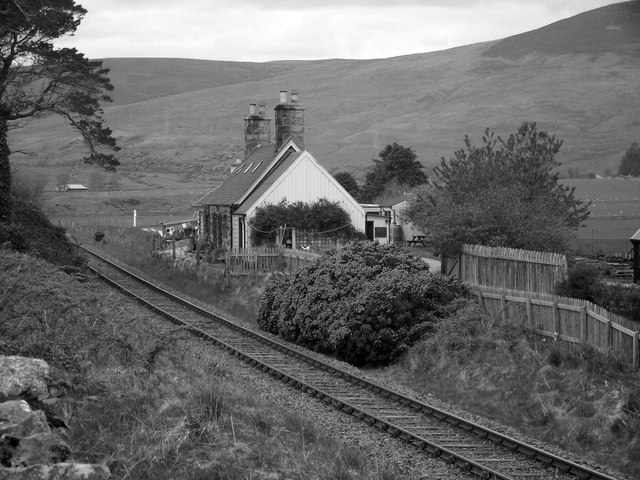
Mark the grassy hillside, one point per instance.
(184, 119)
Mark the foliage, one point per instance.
(365, 303)
(320, 216)
(583, 282)
(502, 193)
(567, 394)
(37, 79)
(349, 183)
(33, 233)
(144, 400)
(630, 162)
(28, 188)
(624, 301)
(586, 282)
(398, 165)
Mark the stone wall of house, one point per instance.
(30, 448)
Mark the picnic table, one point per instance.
(418, 240)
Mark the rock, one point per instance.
(18, 420)
(41, 448)
(59, 471)
(23, 377)
(29, 449)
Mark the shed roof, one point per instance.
(635, 237)
(288, 159)
(242, 178)
(179, 221)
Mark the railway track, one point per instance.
(475, 449)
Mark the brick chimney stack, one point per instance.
(289, 120)
(257, 128)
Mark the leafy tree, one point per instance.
(38, 79)
(349, 183)
(502, 193)
(398, 165)
(630, 163)
(320, 216)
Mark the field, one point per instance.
(615, 214)
(615, 208)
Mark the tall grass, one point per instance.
(133, 246)
(570, 395)
(148, 400)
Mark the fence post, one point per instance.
(636, 339)
(583, 325)
(556, 321)
(481, 298)
(529, 310)
(173, 248)
(503, 306)
(609, 335)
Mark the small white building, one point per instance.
(73, 187)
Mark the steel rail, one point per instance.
(546, 459)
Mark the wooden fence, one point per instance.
(246, 260)
(568, 319)
(507, 268)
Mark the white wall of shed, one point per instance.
(306, 181)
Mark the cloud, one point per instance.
(256, 30)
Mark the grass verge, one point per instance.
(144, 398)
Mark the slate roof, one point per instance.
(284, 163)
(241, 179)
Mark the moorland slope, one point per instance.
(578, 78)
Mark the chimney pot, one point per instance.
(294, 96)
(283, 96)
(252, 109)
(262, 109)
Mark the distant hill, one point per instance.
(578, 78)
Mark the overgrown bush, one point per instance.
(365, 303)
(624, 301)
(583, 282)
(586, 282)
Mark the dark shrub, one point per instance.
(33, 232)
(583, 281)
(365, 303)
(624, 301)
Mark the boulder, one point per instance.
(59, 471)
(40, 448)
(18, 420)
(29, 449)
(23, 377)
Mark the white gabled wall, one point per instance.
(307, 181)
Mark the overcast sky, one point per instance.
(264, 30)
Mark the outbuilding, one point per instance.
(74, 187)
(635, 241)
